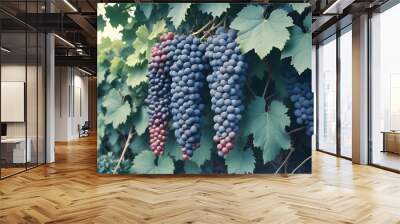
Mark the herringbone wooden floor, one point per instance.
(70, 191)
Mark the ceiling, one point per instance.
(332, 15)
(74, 22)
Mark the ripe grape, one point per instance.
(187, 72)
(302, 98)
(106, 163)
(159, 96)
(226, 84)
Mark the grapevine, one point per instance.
(173, 78)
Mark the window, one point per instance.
(22, 76)
(327, 96)
(385, 89)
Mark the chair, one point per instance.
(84, 130)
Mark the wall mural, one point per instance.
(205, 88)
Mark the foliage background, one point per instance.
(276, 42)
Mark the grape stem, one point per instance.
(250, 90)
(296, 130)
(285, 161)
(202, 28)
(273, 165)
(269, 97)
(266, 86)
(301, 164)
(213, 27)
(128, 140)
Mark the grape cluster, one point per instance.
(106, 164)
(187, 72)
(302, 97)
(159, 96)
(225, 83)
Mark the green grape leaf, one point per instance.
(202, 154)
(101, 23)
(191, 168)
(134, 59)
(307, 22)
(116, 66)
(139, 143)
(113, 136)
(137, 75)
(101, 74)
(299, 49)
(299, 7)
(143, 43)
(146, 9)
(172, 147)
(105, 42)
(158, 29)
(177, 12)
(101, 127)
(116, 46)
(101, 56)
(268, 128)
(117, 109)
(241, 140)
(144, 163)
(141, 120)
(253, 27)
(117, 14)
(215, 9)
(240, 161)
(253, 117)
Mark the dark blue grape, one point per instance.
(226, 86)
(187, 73)
(302, 97)
(159, 97)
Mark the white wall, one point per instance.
(33, 127)
(71, 102)
(62, 81)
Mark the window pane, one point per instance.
(385, 84)
(15, 150)
(327, 96)
(346, 94)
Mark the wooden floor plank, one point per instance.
(70, 191)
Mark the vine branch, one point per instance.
(213, 27)
(301, 164)
(285, 161)
(269, 97)
(296, 130)
(266, 86)
(128, 140)
(250, 90)
(202, 28)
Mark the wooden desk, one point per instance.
(391, 142)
